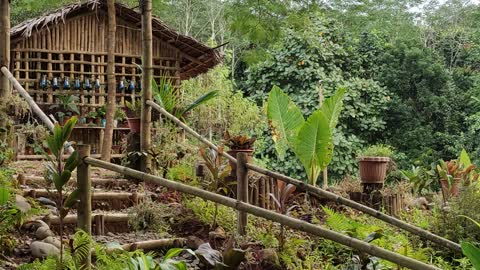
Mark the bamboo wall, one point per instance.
(76, 49)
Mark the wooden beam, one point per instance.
(4, 47)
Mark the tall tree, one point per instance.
(112, 28)
(147, 77)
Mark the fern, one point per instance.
(82, 243)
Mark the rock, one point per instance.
(419, 203)
(40, 223)
(43, 232)
(52, 241)
(194, 242)
(110, 234)
(41, 250)
(219, 233)
(269, 256)
(53, 209)
(22, 204)
(46, 201)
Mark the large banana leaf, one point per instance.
(473, 254)
(285, 119)
(314, 145)
(332, 107)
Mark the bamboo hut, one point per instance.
(64, 53)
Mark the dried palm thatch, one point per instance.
(197, 57)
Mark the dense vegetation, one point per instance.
(411, 74)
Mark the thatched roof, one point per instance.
(198, 58)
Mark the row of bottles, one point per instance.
(87, 84)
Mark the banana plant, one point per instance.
(59, 172)
(311, 140)
(167, 97)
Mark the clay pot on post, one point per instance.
(451, 190)
(373, 170)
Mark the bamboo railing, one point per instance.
(242, 207)
(267, 214)
(318, 191)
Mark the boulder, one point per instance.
(22, 204)
(41, 250)
(193, 242)
(219, 233)
(52, 241)
(43, 232)
(46, 201)
(269, 257)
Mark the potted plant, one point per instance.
(373, 163)
(119, 116)
(452, 174)
(101, 112)
(134, 110)
(238, 144)
(67, 106)
(91, 116)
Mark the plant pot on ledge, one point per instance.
(134, 124)
(238, 144)
(373, 170)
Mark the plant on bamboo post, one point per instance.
(310, 140)
(167, 96)
(373, 163)
(285, 193)
(218, 170)
(59, 172)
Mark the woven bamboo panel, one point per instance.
(76, 50)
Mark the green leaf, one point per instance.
(72, 198)
(72, 162)
(172, 253)
(332, 107)
(67, 129)
(314, 145)
(66, 174)
(473, 254)
(201, 100)
(464, 159)
(285, 119)
(4, 195)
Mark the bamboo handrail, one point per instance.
(318, 191)
(270, 215)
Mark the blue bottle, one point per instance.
(131, 86)
(43, 82)
(66, 83)
(97, 84)
(55, 83)
(121, 85)
(76, 86)
(87, 85)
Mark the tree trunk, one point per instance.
(112, 28)
(147, 59)
(4, 47)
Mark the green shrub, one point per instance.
(377, 150)
(449, 223)
(150, 215)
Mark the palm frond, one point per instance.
(199, 101)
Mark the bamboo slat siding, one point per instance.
(76, 49)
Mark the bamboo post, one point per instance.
(147, 76)
(301, 185)
(84, 184)
(4, 46)
(270, 215)
(242, 191)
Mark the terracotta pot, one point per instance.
(134, 124)
(445, 188)
(234, 152)
(373, 169)
(455, 188)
